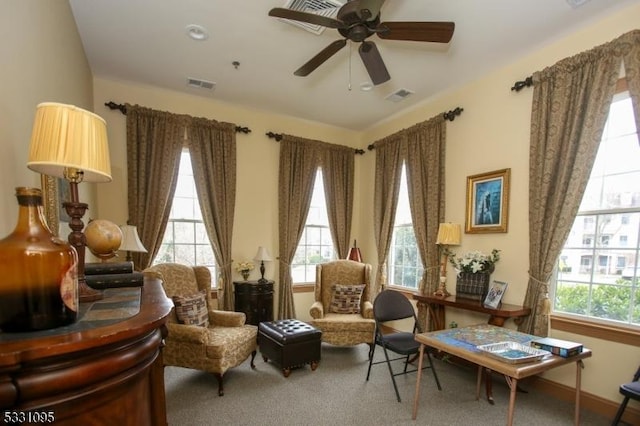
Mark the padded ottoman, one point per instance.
(290, 343)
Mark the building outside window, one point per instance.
(316, 244)
(597, 277)
(405, 264)
(185, 238)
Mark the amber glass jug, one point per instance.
(38, 272)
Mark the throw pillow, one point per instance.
(346, 299)
(192, 310)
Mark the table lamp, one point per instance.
(71, 143)
(354, 253)
(262, 256)
(131, 241)
(448, 235)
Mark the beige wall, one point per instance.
(493, 133)
(42, 60)
(256, 213)
(47, 63)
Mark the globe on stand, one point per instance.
(103, 238)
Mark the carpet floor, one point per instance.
(336, 393)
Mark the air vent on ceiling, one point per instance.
(328, 8)
(200, 84)
(399, 95)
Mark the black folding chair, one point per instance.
(391, 305)
(630, 390)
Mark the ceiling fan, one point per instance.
(357, 20)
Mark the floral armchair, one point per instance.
(344, 316)
(200, 337)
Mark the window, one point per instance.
(405, 264)
(316, 245)
(595, 277)
(185, 239)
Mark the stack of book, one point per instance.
(559, 347)
(112, 275)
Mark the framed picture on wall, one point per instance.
(488, 202)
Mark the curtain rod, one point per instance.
(449, 115)
(278, 138)
(123, 109)
(519, 85)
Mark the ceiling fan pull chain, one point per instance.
(349, 86)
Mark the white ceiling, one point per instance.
(145, 41)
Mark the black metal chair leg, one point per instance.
(393, 377)
(433, 370)
(371, 352)
(621, 409)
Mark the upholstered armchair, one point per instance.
(200, 337)
(344, 316)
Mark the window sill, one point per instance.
(304, 288)
(611, 333)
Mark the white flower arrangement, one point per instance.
(475, 261)
(245, 266)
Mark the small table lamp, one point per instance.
(448, 235)
(131, 241)
(262, 256)
(354, 253)
(71, 143)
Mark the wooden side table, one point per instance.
(436, 306)
(255, 299)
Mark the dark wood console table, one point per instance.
(436, 307)
(255, 299)
(104, 369)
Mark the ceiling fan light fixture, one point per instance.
(197, 32)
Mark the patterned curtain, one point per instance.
(154, 145)
(570, 106)
(299, 162)
(426, 143)
(338, 175)
(390, 152)
(213, 156)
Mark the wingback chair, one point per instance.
(349, 321)
(220, 340)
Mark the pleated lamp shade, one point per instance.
(68, 137)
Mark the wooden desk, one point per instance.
(436, 305)
(104, 369)
(462, 343)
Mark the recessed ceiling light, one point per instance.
(197, 32)
(366, 86)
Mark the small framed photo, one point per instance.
(494, 296)
(488, 202)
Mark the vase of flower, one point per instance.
(244, 268)
(474, 271)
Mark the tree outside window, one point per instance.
(595, 276)
(185, 238)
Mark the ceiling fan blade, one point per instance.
(319, 59)
(436, 32)
(310, 18)
(373, 62)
